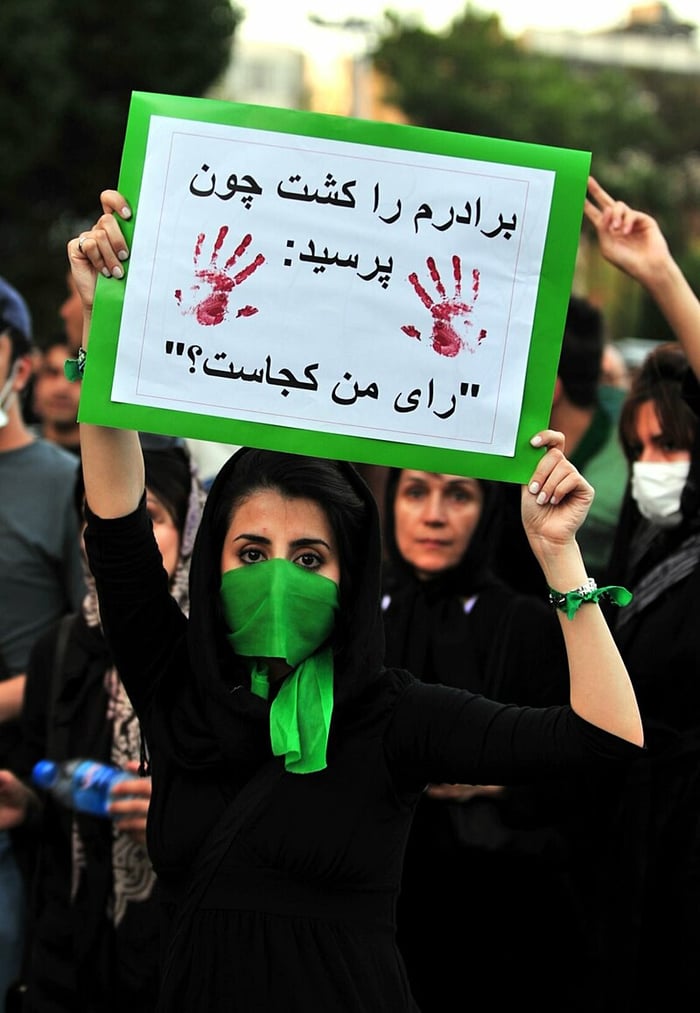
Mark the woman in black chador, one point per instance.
(481, 856)
(648, 850)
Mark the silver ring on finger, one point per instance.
(81, 240)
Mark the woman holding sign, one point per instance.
(287, 760)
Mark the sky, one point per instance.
(288, 23)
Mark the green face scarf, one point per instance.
(276, 609)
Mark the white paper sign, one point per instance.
(334, 286)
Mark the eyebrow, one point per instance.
(448, 484)
(297, 543)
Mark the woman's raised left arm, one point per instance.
(554, 505)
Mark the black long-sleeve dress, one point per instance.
(647, 848)
(300, 913)
(496, 866)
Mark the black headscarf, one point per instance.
(237, 718)
(425, 633)
(473, 571)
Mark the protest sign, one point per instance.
(375, 292)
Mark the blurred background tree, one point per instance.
(637, 123)
(68, 68)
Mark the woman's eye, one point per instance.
(462, 496)
(309, 560)
(160, 519)
(251, 555)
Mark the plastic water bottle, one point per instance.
(80, 784)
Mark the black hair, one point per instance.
(581, 352)
(665, 378)
(338, 489)
(295, 476)
(19, 343)
(660, 379)
(168, 476)
(57, 339)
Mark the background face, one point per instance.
(435, 517)
(55, 398)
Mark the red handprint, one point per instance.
(445, 339)
(210, 293)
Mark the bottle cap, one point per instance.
(44, 773)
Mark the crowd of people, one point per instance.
(42, 579)
(385, 738)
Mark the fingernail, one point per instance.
(106, 272)
(125, 212)
(534, 487)
(542, 498)
(123, 254)
(536, 440)
(117, 272)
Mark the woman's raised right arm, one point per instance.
(634, 242)
(112, 460)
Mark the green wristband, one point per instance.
(570, 601)
(73, 369)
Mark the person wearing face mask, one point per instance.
(660, 523)
(657, 488)
(287, 759)
(650, 865)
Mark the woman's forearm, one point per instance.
(633, 241)
(680, 306)
(113, 469)
(600, 687)
(112, 460)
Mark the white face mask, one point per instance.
(657, 488)
(6, 394)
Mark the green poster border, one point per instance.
(571, 168)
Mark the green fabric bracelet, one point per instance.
(73, 369)
(570, 601)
